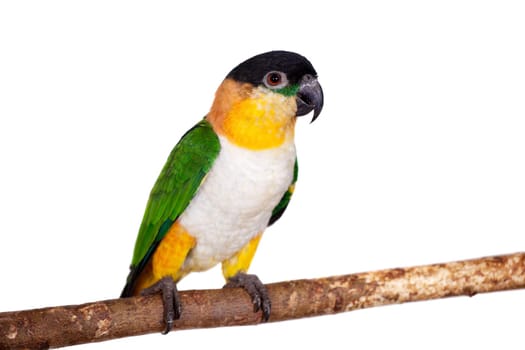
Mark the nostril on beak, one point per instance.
(307, 77)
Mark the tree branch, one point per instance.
(93, 322)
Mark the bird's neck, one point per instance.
(252, 118)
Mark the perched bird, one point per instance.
(230, 177)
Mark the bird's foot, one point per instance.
(170, 299)
(256, 289)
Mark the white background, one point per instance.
(418, 156)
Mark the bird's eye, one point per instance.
(275, 80)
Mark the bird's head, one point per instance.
(259, 100)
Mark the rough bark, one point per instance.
(99, 321)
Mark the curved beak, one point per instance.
(309, 97)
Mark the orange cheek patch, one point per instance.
(252, 117)
(255, 123)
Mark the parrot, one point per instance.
(228, 178)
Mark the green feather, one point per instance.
(178, 182)
(289, 90)
(285, 199)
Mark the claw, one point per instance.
(255, 289)
(170, 299)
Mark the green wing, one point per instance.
(283, 203)
(179, 180)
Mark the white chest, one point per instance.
(236, 200)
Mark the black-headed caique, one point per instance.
(230, 177)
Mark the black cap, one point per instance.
(254, 69)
